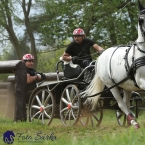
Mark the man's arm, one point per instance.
(31, 79)
(98, 48)
(66, 57)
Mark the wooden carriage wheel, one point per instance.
(70, 103)
(72, 112)
(42, 106)
(91, 118)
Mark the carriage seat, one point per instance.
(74, 70)
(70, 70)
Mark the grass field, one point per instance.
(109, 133)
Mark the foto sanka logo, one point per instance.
(8, 137)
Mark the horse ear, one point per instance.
(141, 7)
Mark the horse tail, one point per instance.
(94, 87)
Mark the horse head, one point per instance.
(141, 22)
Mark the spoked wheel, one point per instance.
(41, 107)
(121, 117)
(91, 118)
(70, 105)
(134, 106)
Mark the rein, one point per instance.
(116, 84)
(83, 49)
(87, 56)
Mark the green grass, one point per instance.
(108, 133)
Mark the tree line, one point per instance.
(50, 23)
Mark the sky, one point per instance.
(19, 30)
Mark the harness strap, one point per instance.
(83, 49)
(138, 63)
(140, 49)
(126, 59)
(130, 70)
(87, 57)
(110, 65)
(116, 84)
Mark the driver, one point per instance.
(79, 50)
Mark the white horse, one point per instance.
(117, 64)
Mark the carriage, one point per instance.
(62, 99)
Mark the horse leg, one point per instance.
(124, 106)
(126, 98)
(116, 93)
(130, 117)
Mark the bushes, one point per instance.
(47, 61)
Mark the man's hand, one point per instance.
(43, 76)
(101, 51)
(74, 59)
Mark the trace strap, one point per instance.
(125, 79)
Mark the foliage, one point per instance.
(4, 77)
(107, 22)
(47, 61)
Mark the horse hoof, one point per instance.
(129, 118)
(136, 126)
(131, 121)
